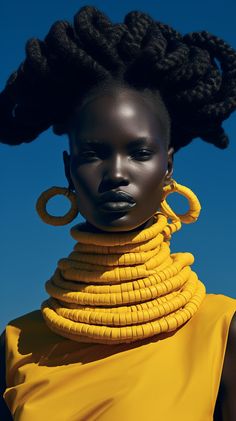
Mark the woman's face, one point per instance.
(116, 144)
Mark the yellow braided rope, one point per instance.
(122, 287)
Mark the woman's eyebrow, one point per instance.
(139, 141)
(92, 143)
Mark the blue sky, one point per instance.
(30, 249)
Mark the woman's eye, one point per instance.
(89, 154)
(143, 153)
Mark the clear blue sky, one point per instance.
(30, 249)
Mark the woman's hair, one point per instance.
(192, 76)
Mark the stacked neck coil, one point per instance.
(122, 287)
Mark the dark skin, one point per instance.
(117, 162)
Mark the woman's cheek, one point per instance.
(154, 172)
(85, 180)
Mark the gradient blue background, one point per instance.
(30, 249)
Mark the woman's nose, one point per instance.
(116, 169)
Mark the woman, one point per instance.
(128, 330)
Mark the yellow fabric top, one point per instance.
(170, 376)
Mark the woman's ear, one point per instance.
(66, 160)
(170, 166)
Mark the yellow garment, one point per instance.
(122, 287)
(173, 376)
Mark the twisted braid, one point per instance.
(194, 75)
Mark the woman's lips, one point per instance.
(117, 206)
(116, 196)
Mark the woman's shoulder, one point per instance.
(218, 305)
(26, 335)
(24, 322)
(28, 325)
(214, 316)
(26, 318)
(220, 311)
(220, 298)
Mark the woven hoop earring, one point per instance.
(194, 205)
(57, 220)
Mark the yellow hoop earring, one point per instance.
(194, 205)
(57, 220)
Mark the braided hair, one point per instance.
(193, 76)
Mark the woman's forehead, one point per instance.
(127, 111)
